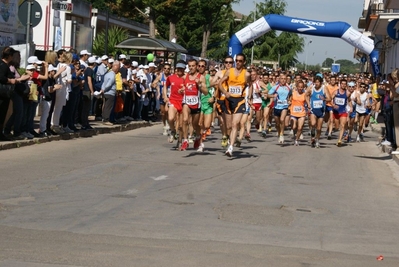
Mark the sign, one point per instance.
(35, 13)
(335, 68)
(363, 59)
(393, 29)
(61, 6)
(8, 16)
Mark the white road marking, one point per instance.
(159, 178)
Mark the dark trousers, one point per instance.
(86, 104)
(144, 112)
(50, 113)
(136, 108)
(68, 112)
(3, 111)
(128, 105)
(389, 126)
(108, 107)
(16, 117)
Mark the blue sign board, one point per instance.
(393, 29)
(335, 68)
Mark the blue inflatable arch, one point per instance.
(336, 29)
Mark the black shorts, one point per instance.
(277, 112)
(221, 107)
(236, 105)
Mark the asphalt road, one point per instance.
(129, 199)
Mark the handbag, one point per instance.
(6, 90)
(118, 104)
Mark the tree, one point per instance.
(115, 36)
(328, 62)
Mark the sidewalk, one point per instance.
(98, 128)
(380, 129)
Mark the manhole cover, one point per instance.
(256, 215)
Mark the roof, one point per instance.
(147, 43)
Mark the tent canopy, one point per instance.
(147, 43)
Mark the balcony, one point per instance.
(381, 24)
(375, 8)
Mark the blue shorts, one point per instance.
(352, 115)
(318, 112)
(329, 109)
(277, 112)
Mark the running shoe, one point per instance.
(361, 137)
(301, 137)
(317, 144)
(171, 137)
(326, 133)
(203, 136)
(329, 137)
(313, 142)
(201, 148)
(358, 139)
(165, 131)
(248, 137)
(229, 151)
(197, 143)
(264, 133)
(339, 143)
(208, 132)
(281, 139)
(184, 145)
(259, 128)
(190, 139)
(296, 143)
(238, 142)
(224, 141)
(349, 139)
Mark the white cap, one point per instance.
(91, 60)
(122, 56)
(152, 64)
(111, 60)
(143, 78)
(146, 66)
(51, 68)
(99, 61)
(84, 52)
(134, 71)
(34, 60)
(30, 67)
(105, 57)
(141, 66)
(135, 63)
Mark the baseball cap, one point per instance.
(152, 64)
(34, 60)
(51, 68)
(180, 65)
(111, 60)
(75, 57)
(99, 60)
(122, 56)
(134, 71)
(105, 57)
(141, 66)
(351, 84)
(146, 67)
(84, 52)
(91, 60)
(135, 63)
(30, 67)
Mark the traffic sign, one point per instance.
(363, 59)
(393, 29)
(336, 68)
(35, 13)
(61, 6)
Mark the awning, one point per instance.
(147, 43)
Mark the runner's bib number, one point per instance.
(339, 101)
(297, 109)
(318, 104)
(235, 90)
(191, 100)
(282, 102)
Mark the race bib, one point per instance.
(318, 104)
(235, 90)
(297, 109)
(282, 102)
(191, 100)
(339, 101)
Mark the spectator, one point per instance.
(88, 92)
(387, 106)
(109, 90)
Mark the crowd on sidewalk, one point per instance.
(69, 87)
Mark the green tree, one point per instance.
(328, 62)
(115, 36)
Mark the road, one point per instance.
(129, 199)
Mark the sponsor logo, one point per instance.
(309, 24)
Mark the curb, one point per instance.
(81, 134)
(377, 128)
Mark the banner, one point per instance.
(8, 15)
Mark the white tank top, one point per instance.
(362, 107)
(257, 97)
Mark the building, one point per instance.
(376, 15)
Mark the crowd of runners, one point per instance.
(243, 97)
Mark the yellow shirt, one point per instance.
(118, 81)
(237, 83)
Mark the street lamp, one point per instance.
(306, 59)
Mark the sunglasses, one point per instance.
(201, 66)
(239, 60)
(166, 68)
(228, 62)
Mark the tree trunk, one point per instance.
(205, 40)
(151, 24)
(172, 30)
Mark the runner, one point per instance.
(175, 101)
(280, 93)
(298, 112)
(237, 78)
(194, 85)
(362, 104)
(329, 118)
(340, 100)
(163, 92)
(317, 96)
(258, 87)
(224, 118)
(267, 106)
(352, 120)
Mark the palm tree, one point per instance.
(115, 36)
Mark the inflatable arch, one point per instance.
(336, 29)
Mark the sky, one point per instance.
(322, 10)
